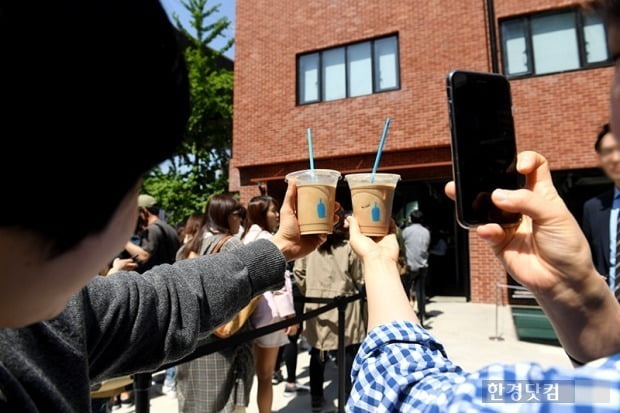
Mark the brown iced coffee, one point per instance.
(316, 199)
(316, 211)
(372, 201)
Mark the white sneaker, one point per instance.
(169, 390)
(291, 390)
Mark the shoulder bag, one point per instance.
(239, 320)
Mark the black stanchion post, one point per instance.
(342, 362)
(141, 387)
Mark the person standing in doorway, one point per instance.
(417, 239)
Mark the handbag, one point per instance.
(239, 320)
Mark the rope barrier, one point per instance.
(142, 381)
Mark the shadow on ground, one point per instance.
(302, 402)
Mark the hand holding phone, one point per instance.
(484, 152)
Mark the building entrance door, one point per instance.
(448, 272)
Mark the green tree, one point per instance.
(184, 183)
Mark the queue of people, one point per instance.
(63, 328)
(221, 381)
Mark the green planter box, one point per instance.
(533, 325)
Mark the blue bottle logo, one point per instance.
(320, 209)
(376, 213)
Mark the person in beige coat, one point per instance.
(331, 271)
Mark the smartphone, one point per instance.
(484, 150)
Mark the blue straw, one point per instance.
(380, 150)
(310, 151)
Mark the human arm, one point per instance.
(140, 253)
(137, 322)
(387, 301)
(548, 254)
(122, 264)
(355, 269)
(399, 366)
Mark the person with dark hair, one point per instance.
(191, 228)
(223, 215)
(107, 102)
(417, 239)
(602, 133)
(274, 306)
(222, 380)
(600, 214)
(331, 271)
(158, 242)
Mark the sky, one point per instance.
(227, 9)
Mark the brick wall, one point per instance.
(269, 127)
(485, 272)
(557, 115)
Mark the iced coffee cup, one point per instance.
(372, 201)
(316, 197)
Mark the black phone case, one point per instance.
(456, 162)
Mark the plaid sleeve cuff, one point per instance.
(401, 366)
(399, 332)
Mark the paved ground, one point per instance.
(464, 329)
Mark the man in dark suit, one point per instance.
(600, 214)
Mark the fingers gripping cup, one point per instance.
(316, 197)
(372, 201)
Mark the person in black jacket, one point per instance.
(600, 214)
(158, 242)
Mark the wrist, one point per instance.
(581, 310)
(378, 260)
(284, 246)
(586, 293)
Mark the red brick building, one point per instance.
(342, 67)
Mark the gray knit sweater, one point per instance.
(129, 323)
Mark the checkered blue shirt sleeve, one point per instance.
(400, 367)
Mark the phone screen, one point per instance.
(483, 145)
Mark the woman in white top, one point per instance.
(263, 219)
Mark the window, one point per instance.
(334, 74)
(309, 77)
(359, 66)
(386, 63)
(553, 42)
(348, 71)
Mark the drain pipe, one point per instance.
(492, 35)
